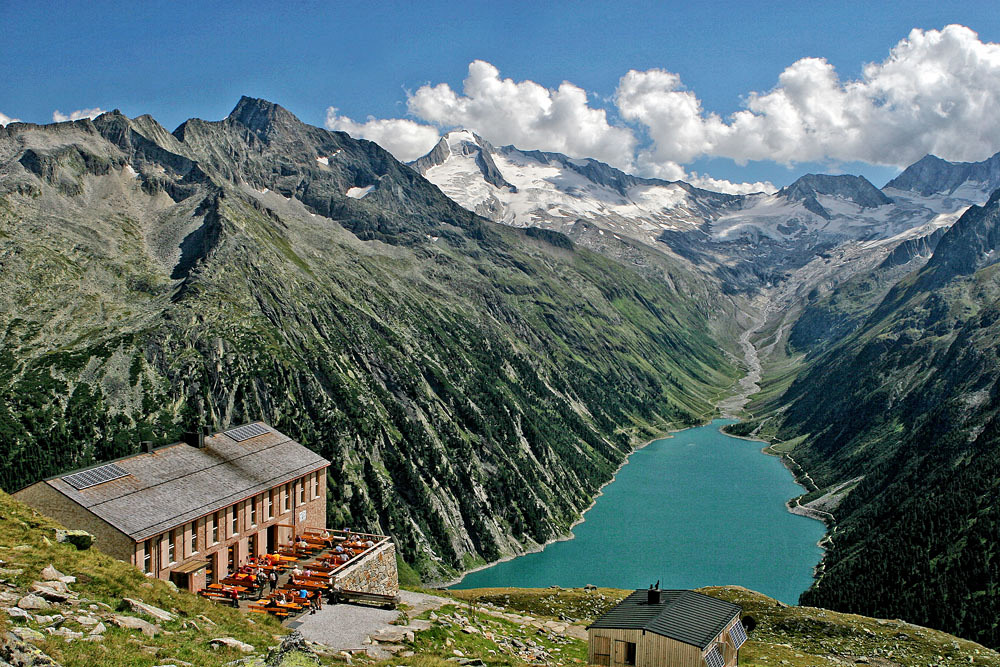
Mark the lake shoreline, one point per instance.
(583, 515)
(697, 478)
(792, 465)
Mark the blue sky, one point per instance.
(184, 59)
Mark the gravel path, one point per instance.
(344, 627)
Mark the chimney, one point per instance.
(146, 446)
(653, 595)
(195, 438)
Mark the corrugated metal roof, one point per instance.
(685, 616)
(175, 484)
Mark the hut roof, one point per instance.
(682, 615)
(147, 493)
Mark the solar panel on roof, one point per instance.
(241, 433)
(738, 634)
(714, 658)
(88, 478)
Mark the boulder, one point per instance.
(50, 572)
(419, 625)
(33, 603)
(27, 634)
(390, 634)
(54, 584)
(133, 623)
(17, 612)
(49, 593)
(80, 539)
(65, 633)
(293, 643)
(148, 609)
(99, 629)
(55, 619)
(230, 642)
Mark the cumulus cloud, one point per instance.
(60, 117)
(706, 182)
(527, 115)
(405, 139)
(935, 93)
(5, 119)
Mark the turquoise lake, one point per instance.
(698, 509)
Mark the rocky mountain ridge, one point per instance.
(470, 382)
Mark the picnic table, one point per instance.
(308, 585)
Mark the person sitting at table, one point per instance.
(307, 573)
(303, 596)
(296, 571)
(302, 544)
(325, 534)
(369, 544)
(338, 549)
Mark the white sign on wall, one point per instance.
(302, 516)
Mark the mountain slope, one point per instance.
(933, 176)
(474, 385)
(910, 405)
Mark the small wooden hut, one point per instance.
(667, 628)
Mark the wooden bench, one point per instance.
(263, 609)
(388, 601)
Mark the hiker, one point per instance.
(235, 597)
(272, 580)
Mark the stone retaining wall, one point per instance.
(374, 572)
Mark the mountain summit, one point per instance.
(933, 176)
(856, 189)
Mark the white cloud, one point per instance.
(59, 117)
(405, 139)
(706, 182)
(527, 115)
(5, 120)
(937, 92)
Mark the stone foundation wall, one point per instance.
(373, 573)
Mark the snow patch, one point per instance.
(358, 193)
(323, 160)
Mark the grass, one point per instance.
(785, 635)
(103, 579)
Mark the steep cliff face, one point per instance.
(472, 384)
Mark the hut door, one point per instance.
(624, 652)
